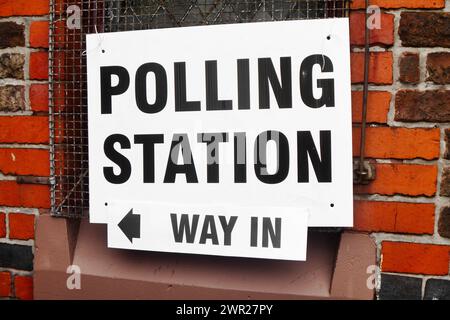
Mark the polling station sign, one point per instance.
(224, 140)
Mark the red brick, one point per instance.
(405, 179)
(444, 222)
(380, 67)
(24, 129)
(424, 29)
(39, 65)
(24, 195)
(33, 162)
(383, 36)
(2, 225)
(21, 226)
(428, 105)
(378, 103)
(409, 68)
(395, 4)
(5, 284)
(398, 143)
(39, 34)
(12, 35)
(415, 258)
(23, 286)
(395, 217)
(438, 67)
(39, 97)
(24, 7)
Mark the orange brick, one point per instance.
(39, 34)
(378, 103)
(24, 129)
(39, 65)
(383, 36)
(395, 4)
(2, 225)
(23, 287)
(380, 67)
(398, 143)
(415, 258)
(5, 284)
(34, 162)
(39, 97)
(406, 179)
(21, 226)
(24, 7)
(395, 217)
(24, 195)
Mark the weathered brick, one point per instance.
(395, 287)
(425, 29)
(438, 67)
(445, 182)
(395, 217)
(12, 98)
(416, 258)
(16, 256)
(39, 34)
(396, 4)
(406, 179)
(398, 143)
(431, 105)
(24, 195)
(39, 97)
(12, 35)
(5, 284)
(383, 36)
(23, 8)
(24, 129)
(11, 65)
(30, 162)
(409, 68)
(444, 222)
(21, 226)
(23, 287)
(377, 106)
(39, 65)
(437, 289)
(2, 225)
(380, 67)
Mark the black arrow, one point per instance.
(131, 225)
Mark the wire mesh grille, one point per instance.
(71, 20)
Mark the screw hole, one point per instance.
(106, 204)
(332, 205)
(103, 51)
(329, 37)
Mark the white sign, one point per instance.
(243, 120)
(258, 232)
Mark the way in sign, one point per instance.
(187, 230)
(221, 230)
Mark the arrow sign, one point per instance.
(131, 225)
(250, 231)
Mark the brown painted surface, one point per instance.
(125, 274)
(355, 262)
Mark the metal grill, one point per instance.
(71, 20)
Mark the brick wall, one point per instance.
(24, 138)
(406, 209)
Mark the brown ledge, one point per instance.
(335, 269)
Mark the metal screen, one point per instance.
(71, 20)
